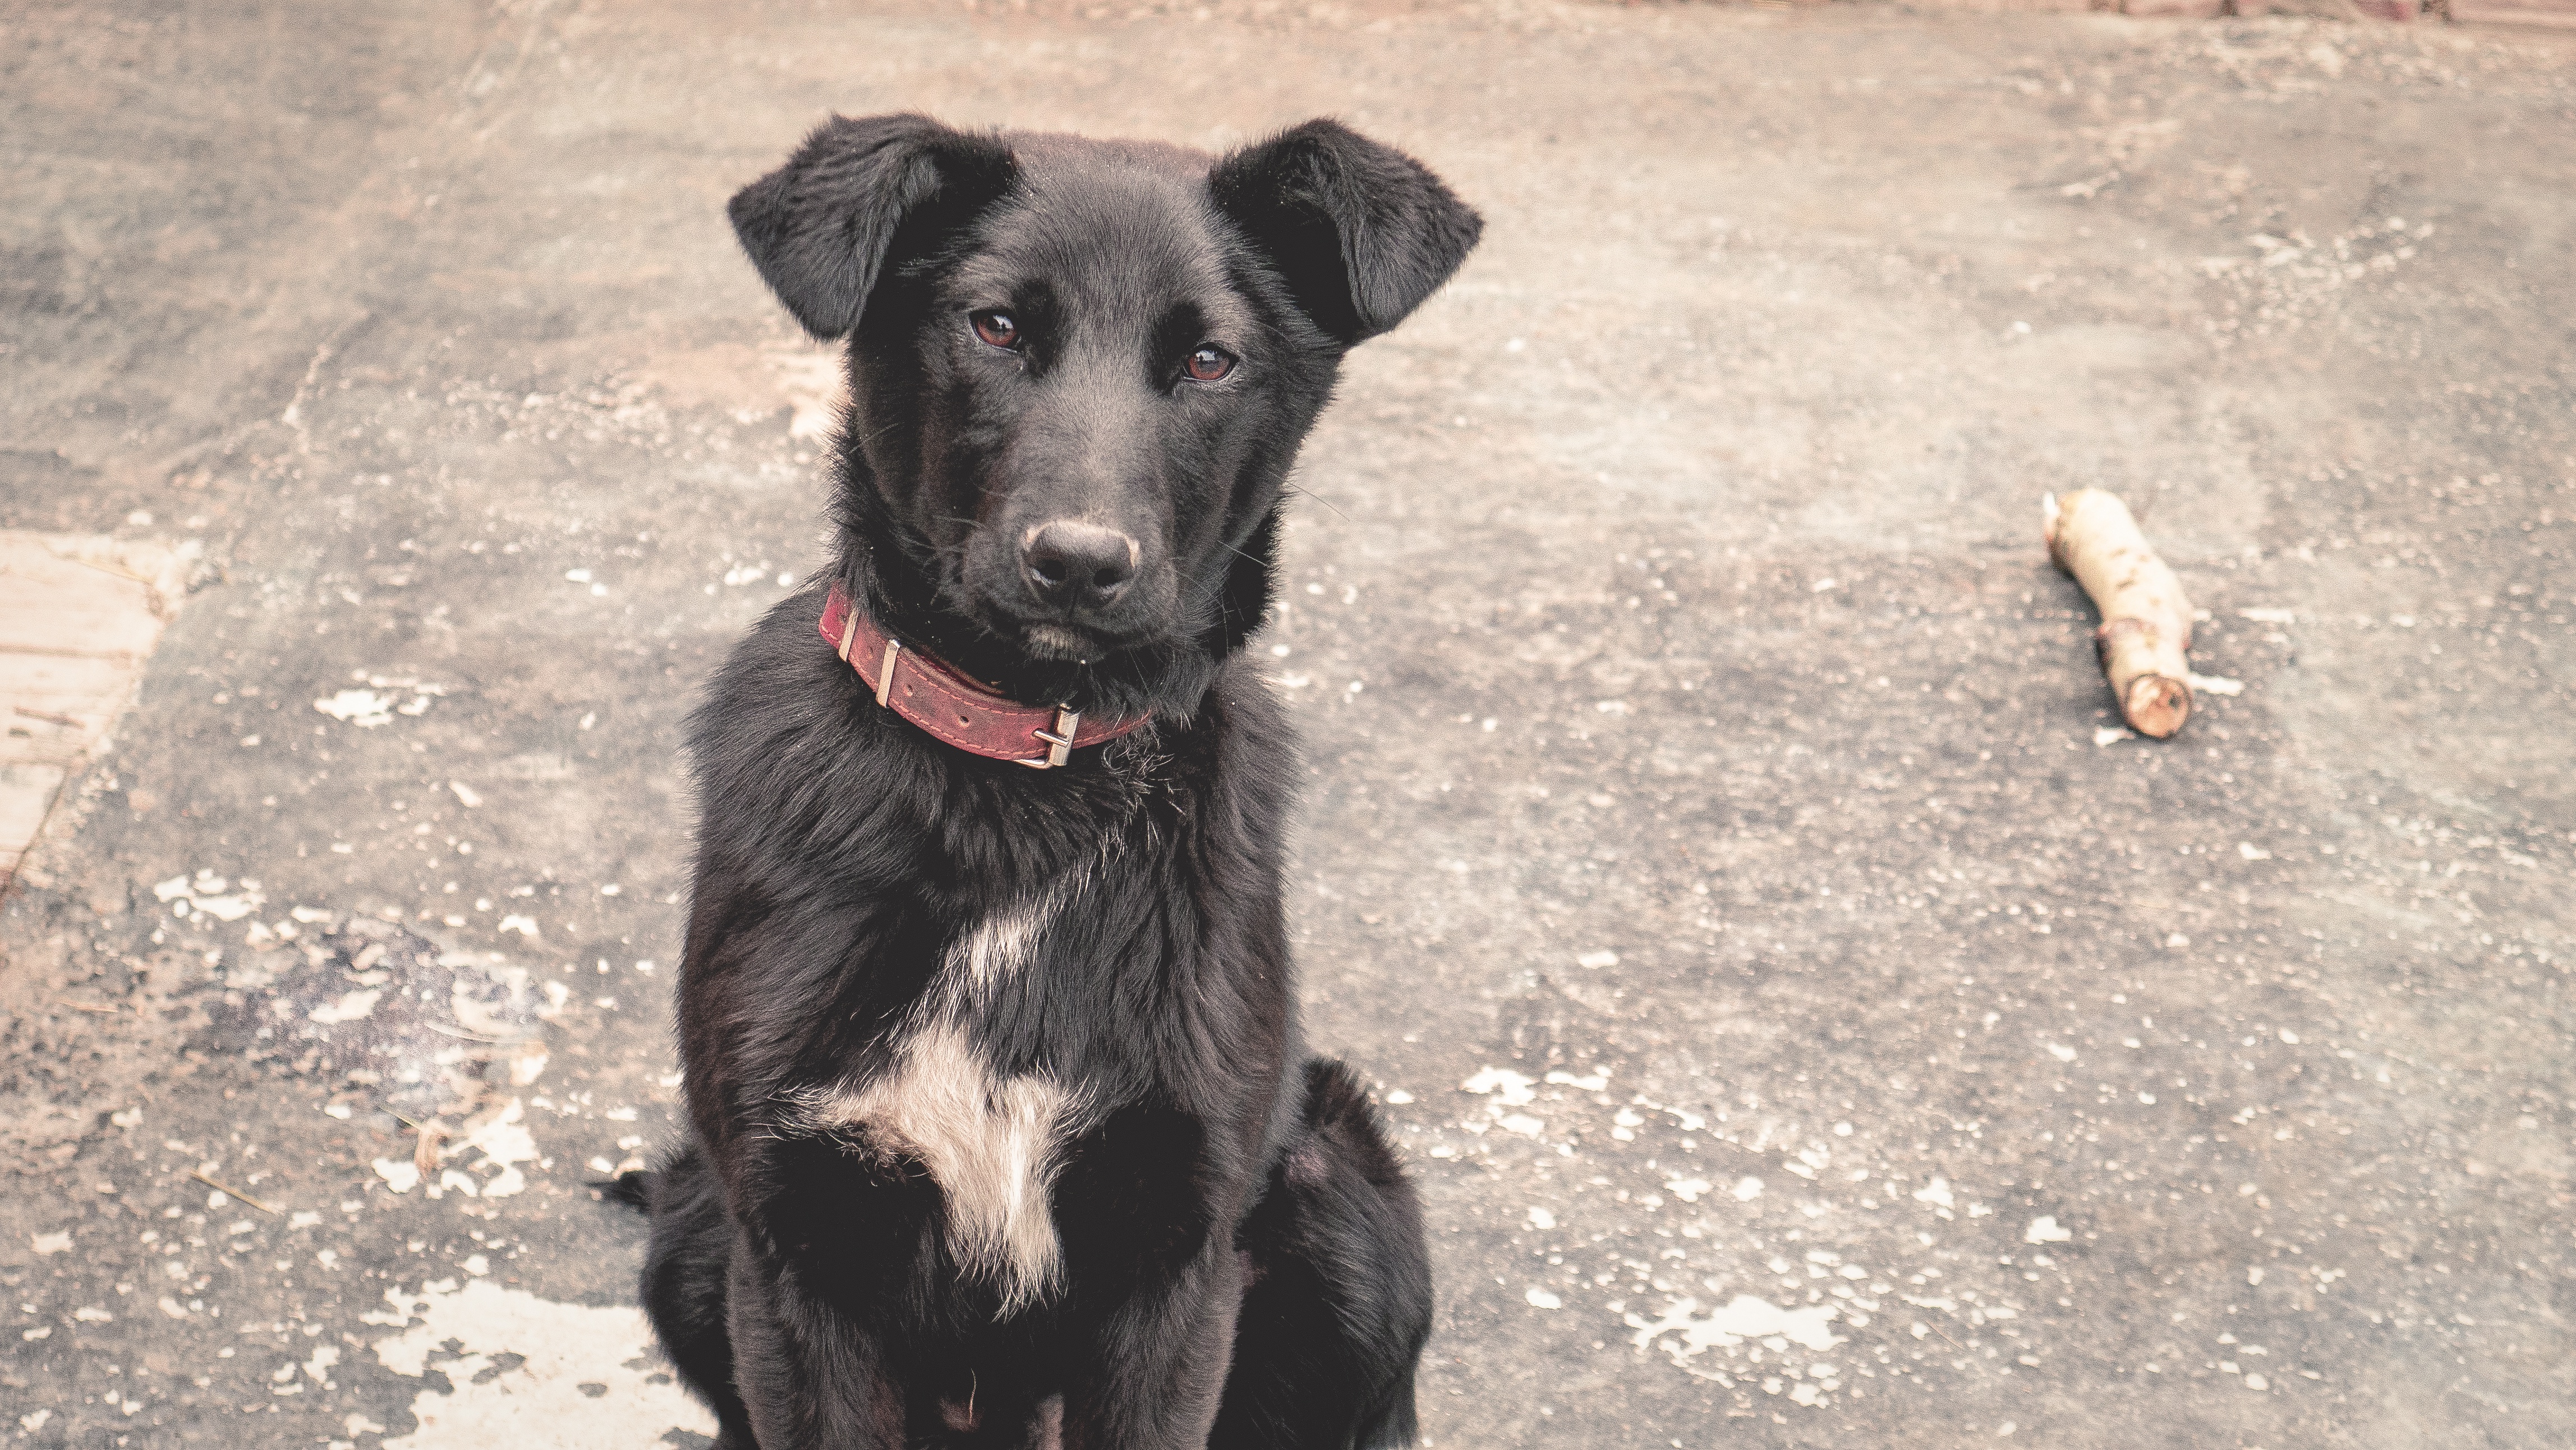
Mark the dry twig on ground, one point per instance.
(2146, 621)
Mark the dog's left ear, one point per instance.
(1361, 232)
(823, 227)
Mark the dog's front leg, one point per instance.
(810, 1377)
(1160, 1360)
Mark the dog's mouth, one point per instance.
(1058, 636)
(1054, 640)
(1066, 643)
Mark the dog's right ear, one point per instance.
(823, 227)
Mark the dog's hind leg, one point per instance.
(684, 1285)
(1340, 1300)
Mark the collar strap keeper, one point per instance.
(933, 695)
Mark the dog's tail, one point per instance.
(634, 1189)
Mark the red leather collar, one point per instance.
(930, 693)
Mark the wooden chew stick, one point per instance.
(2146, 622)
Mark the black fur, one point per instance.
(1242, 1258)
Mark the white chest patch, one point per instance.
(994, 951)
(992, 1142)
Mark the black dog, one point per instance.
(1003, 1130)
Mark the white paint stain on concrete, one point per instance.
(369, 708)
(1685, 1333)
(365, 709)
(1507, 1087)
(350, 1007)
(499, 1135)
(538, 1403)
(207, 894)
(2044, 1230)
(504, 1144)
(1503, 1090)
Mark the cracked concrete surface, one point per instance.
(1811, 1022)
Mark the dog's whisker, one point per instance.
(1316, 497)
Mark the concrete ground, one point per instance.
(1811, 1022)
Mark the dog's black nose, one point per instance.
(1078, 566)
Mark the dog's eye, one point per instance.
(996, 328)
(1210, 363)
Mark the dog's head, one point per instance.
(1080, 370)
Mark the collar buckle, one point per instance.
(1060, 743)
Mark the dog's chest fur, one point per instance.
(991, 1140)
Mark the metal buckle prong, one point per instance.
(1059, 744)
